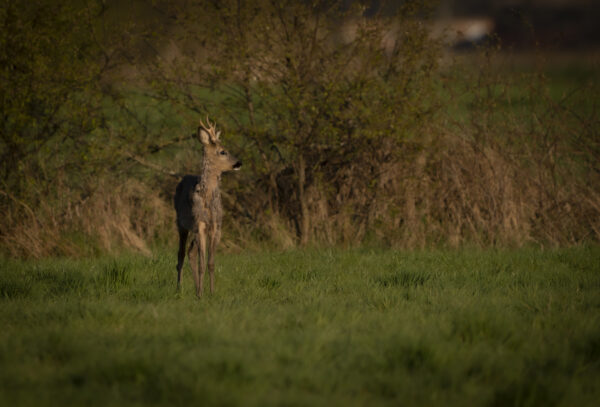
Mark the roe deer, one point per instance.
(198, 207)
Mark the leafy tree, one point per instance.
(322, 95)
(57, 119)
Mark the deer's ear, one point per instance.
(203, 136)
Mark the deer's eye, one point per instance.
(223, 152)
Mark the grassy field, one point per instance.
(315, 327)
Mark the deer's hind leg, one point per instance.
(183, 235)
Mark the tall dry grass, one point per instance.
(111, 217)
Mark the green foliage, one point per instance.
(65, 130)
(49, 82)
(319, 327)
(50, 94)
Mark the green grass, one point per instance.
(315, 327)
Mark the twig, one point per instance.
(153, 166)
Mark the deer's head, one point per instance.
(217, 157)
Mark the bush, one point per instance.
(63, 133)
(321, 113)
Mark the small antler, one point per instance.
(211, 129)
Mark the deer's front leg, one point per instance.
(212, 249)
(201, 239)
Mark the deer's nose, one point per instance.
(237, 165)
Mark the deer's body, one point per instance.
(199, 211)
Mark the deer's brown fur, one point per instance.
(199, 210)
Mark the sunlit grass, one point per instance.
(314, 327)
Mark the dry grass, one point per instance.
(112, 217)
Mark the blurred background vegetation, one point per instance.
(402, 123)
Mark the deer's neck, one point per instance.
(209, 181)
